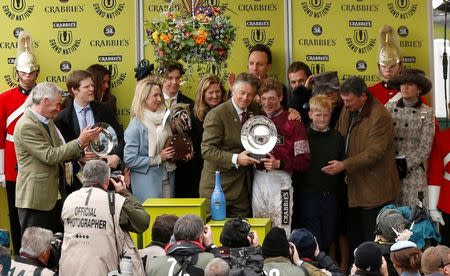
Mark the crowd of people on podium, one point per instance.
(344, 153)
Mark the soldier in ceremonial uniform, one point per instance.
(439, 184)
(389, 65)
(11, 109)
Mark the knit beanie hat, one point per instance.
(234, 233)
(304, 241)
(388, 220)
(275, 243)
(368, 256)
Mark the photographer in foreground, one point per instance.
(96, 224)
(190, 253)
(34, 253)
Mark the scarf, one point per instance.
(157, 134)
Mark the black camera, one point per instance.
(115, 175)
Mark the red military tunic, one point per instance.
(382, 92)
(439, 169)
(10, 101)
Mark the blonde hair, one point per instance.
(320, 102)
(201, 107)
(141, 93)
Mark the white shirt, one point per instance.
(174, 98)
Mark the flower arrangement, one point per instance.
(200, 34)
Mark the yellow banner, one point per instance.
(71, 35)
(257, 22)
(342, 35)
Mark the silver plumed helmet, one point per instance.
(26, 61)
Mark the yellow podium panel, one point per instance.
(172, 206)
(260, 225)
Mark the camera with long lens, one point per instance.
(126, 267)
(55, 252)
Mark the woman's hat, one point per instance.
(325, 82)
(416, 76)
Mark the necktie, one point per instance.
(169, 102)
(243, 117)
(83, 117)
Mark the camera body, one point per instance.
(115, 175)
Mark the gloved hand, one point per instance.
(436, 216)
(433, 198)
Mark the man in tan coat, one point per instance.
(41, 153)
(372, 177)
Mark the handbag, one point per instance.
(182, 145)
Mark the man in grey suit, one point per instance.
(222, 149)
(41, 153)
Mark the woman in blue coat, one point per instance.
(152, 175)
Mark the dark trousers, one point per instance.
(318, 214)
(361, 226)
(13, 216)
(444, 230)
(46, 219)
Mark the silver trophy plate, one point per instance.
(106, 141)
(259, 135)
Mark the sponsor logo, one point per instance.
(317, 42)
(11, 60)
(411, 43)
(117, 78)
(366, 78)
(286, 207)
(14, 44)
(17, 31)
(317, 68)
(356, 23)
(317, 58)
(65, 66)
(258, 7)
(280, 139)
(109, 8)
(360, 42)
(409, 59)
(63, 1)
(123, 111)
(317, 30)
(109, 30)
(361, 65)
(402, 9)
(402, 31)
(257, 23)
(359, 7)
(11, 79)
(60, 79)
(64, 8)
(65, 43)
(257, 36)
(18, 10)
(163, 8)
(114, 58)
(316, 8)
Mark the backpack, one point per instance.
(186, 255)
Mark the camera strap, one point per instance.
(112, 210)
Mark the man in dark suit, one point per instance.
(41, 153)
(83, 111)
(184, 178)
(223, 151)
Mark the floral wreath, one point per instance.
(198, 34)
